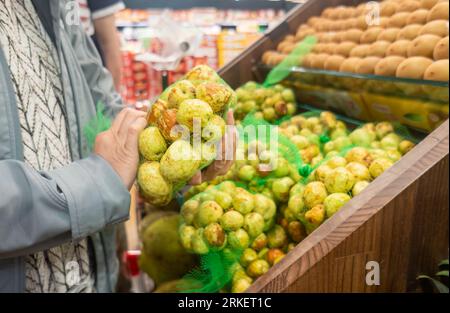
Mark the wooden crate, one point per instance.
(400, 221)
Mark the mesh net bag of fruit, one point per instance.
(340, 167)
(229, 227)
(270, 100)
(185, 129)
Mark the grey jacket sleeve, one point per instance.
(39, 210)
(97, 76)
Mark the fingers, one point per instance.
(196, 180)
(135, 128)
(230, 117)
(118, 121)
(131, 115)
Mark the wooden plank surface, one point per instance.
(399, 221)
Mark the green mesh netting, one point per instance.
(215, 272)
(282, 70)
(98, 124)
(285, 147)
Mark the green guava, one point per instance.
(214, 235)
(314, 194)
(232, 220)
(153, 187)
(340, 180)
(243, 201)
(180, 91)
(215, 94)
(253, 224)
(152, 144)
(277, 238)
(238, 239)
(378, 166)
(180, 162)
(194, 111)
(209, 212)
(334, 202)
(359, 171)
(359, 187)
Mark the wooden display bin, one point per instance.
(400, 221)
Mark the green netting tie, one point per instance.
(324, 139)
(282, 70)
(305, 170)
(96, 125)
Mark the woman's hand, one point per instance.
(226, 158)
(119, 144)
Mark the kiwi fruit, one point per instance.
(423, 46)
(361, 9)
(438, 12)
(321, 27)
(333, 63)
(409, 32)
(306, 61)
(329, 37)
(408, 6)
(344, 48)
(370, 35)
(327, 13)
(318, 48)
(388, 8)
(353, 35)
(288, 48)
(367, 65)
(441, 50)
(389, 34)
(289, 38)
(361, 23)
(314, 21)
(428, 4)
(418, 17)
(349, 23)
(349, 65)
(438, 28)
(281, 46)
(399, 19)
(438, 71)
(413, 67)
(302, 34)
(378, 48)
(360, 51)
(339, 37)
(318, 61)
(323, 48)
(388, 65)
(346, 12)
(304, 27)
(399, 48)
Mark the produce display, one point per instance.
(264, 213)
(230, 231)
(171, 154)
(269, 103)
(408, 40)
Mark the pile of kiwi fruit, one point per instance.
(409, 39)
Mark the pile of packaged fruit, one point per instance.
(169, 155)
(265, 213)
(268, 103)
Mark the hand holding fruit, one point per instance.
(228, 153)
(119, 144)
